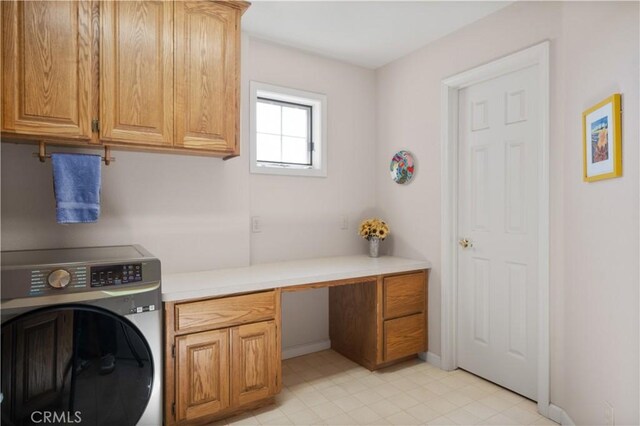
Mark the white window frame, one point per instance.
(318, 102)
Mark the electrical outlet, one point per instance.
(345, 222)
(255, 224)
(609, 416)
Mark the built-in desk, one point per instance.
(223, 327)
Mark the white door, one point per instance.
(500, 137)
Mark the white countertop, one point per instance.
(220, 282)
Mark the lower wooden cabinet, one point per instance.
(202, 374)
(404, 336)
(233, 366)
(223, 355)
(380, 320)
(254, 362)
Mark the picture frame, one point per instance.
(602, 140)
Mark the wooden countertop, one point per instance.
(221, 282)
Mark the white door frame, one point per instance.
(536, 55)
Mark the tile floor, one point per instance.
(325, 388)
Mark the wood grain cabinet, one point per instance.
(380, 321)
(223, 356)
(47, 83)
(253, 362)
(202, 374)
(143, 75)
(207, 39)
(136, 72)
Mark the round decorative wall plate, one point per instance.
(401, 167)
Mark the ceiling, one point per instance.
(365, 33)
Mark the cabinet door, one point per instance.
(253, 362)
(47, 84)
(136, 69)
(202, 374)
(207, 83)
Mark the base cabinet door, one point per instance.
(46, 71)
(254, 362)
(202, 374)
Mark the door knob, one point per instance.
(465, 243)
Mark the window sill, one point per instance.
(288, 171)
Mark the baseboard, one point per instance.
(306, 348)
(431, 358)
(558, 415)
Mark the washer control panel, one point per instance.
(65, 271)
(102, 276)
(43, 281)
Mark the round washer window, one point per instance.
(74, 364)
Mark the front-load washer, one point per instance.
(81, 337)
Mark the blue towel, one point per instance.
(76, 183)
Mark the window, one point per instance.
(288, 129)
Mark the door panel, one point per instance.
(202, 374)
(517, 285)
(481, 301)
(207, 91)
(500, 134)
(46, 76)
(515, 181)
(253, 362)
(136, 66)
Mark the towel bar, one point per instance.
(42, 154)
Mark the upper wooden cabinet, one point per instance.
(207, 67)
(146, 75)
(136, 72)
(207, 40)
(47, 83)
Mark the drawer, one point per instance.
(404, 336)
(404, 295)
(224, 312)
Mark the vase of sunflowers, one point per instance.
(374, 230)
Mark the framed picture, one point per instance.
(602, 140)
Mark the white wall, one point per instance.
(191, 212)
(301, 217)
(194, 212)
(594, 227)
(601, 219)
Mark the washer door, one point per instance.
(74, 364)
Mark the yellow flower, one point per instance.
(374, 227)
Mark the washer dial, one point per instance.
(59, 278)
